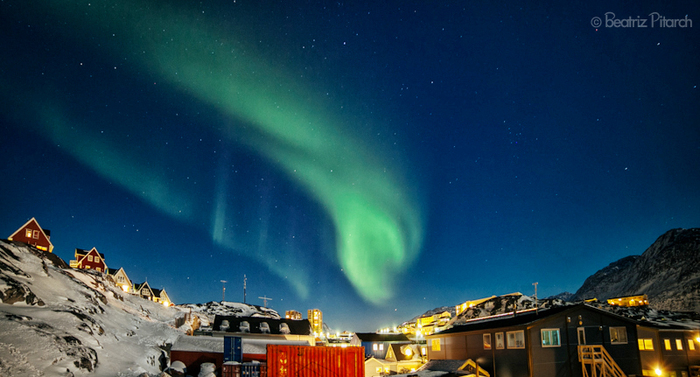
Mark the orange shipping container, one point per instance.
(308, 361)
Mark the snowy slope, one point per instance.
(66, 322)
(668, 272)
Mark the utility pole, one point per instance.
(265, 298)
(536, 305)
(244, 282)
(223, 294)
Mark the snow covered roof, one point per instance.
(296, 327)
(374, 337)
(216, 345)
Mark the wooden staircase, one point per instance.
(596, 362)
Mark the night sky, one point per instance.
(373, 160)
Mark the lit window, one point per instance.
(98, 269)
(87, 267)
(28, 233)
(36, 234)
(691, 345)
(375, 347)
(515, 339)
(648, 344)
(499, 341)
(550, 338)
(679, 344)
(487, 341)
(618, 335)
(435, 344)
(381, 347)
(378, 370)
(667, 344)
(89, 258)
(645, 344)
(97, 259)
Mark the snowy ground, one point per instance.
(66, 322)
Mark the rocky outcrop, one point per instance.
(668, 272)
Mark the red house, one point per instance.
(31, 233)
(89, 260)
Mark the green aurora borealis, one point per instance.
(377, 221)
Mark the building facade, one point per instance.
(571, 341)
(316, 321)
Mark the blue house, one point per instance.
(377, 345)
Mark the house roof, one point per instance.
(138, 287)
(531, 317)
(444, 365)
(296, 327)
(400, 356)
(374, 337)
(519, 319)
(83, 252)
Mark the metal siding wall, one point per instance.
(307, 361)
(193, 360)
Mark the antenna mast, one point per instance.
(223, 294)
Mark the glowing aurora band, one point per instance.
(378, 224)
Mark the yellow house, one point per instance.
(160, 296)
(430, 324)
(120, 279)
(400, 359)
(637, 300)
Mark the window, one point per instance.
(618, 335)
(381, 347)
(515, 339)
(97, 259)
(691, 345)
(679, 344)
(550, 337)
(98, 269)
(36, 234)
(499, 340)
(378, 370)
(375, 347)
(487, 341)
(667, 344)
(645, 344)
(28, 233)
(435, 344)
(89, 258)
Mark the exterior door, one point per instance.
(581, 331)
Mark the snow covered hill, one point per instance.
(668, 272)
(64, 322)
(208, 311)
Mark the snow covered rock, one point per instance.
(63, 322)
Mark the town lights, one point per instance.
(658, 371)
